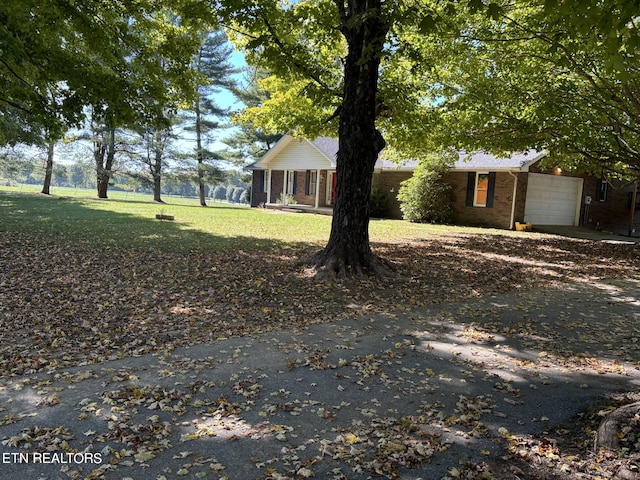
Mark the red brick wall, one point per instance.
(257, 196)
(277, 181)
(300, 197)
(498, 216)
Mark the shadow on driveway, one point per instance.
(406, 394)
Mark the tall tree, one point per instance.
(104, 142)
(249, 141)
(212, 63)
(156, 143)
(327, 56)
(409, 69)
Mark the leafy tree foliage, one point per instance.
(59, 59)
(327, 58)
(250, 141)
(563, 77)
(95, 53)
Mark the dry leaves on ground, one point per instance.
(65, 306)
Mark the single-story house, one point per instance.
(488, 190)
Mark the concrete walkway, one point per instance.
(409, 393)
(585, 234)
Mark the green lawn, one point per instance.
(128, 220)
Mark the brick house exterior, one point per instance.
(488, 191)
(610, 207)
(497, 215)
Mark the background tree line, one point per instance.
(20, 167)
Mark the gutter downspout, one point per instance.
(513, 199)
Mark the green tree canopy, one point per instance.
(98, 54)
(420, 75)
(339, 68)
(562, 77)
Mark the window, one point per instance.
(291, 182)
(601, 190)
(312, 182)
(481, 190)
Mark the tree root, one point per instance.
(611, 426)
(343, 266)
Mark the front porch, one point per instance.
(298, 208)
(306, 189)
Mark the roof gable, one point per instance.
(291, 153)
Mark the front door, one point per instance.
(331, 187)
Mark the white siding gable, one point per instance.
(299, 155)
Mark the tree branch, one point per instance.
(299, 65)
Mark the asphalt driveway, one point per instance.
(407, 394)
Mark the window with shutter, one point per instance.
(480, 189)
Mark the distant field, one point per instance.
(128, 220)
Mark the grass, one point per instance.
(128, 220)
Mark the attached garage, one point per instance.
(553, 200)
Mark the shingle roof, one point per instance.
(327, 145)
(483, 160)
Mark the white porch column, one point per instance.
(268, 180)
(317, 188)
(284, 188)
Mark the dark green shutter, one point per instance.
(491, 189)
(601, 190)
(471, 187)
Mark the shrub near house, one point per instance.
(425, 197)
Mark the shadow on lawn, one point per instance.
(146, 285)
(69, 219)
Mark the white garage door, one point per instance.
(553, 200)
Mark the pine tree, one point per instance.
(250, 142)
(213, 63)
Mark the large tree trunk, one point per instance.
(46, 185)
(348, 252)
(157, 167)
(611, 426)
(104, 155)
(157, 195)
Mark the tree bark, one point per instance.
(46, 185)
(104, 155)
(199, 154)
(607, 435)
(157, 166)
(348, 252)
